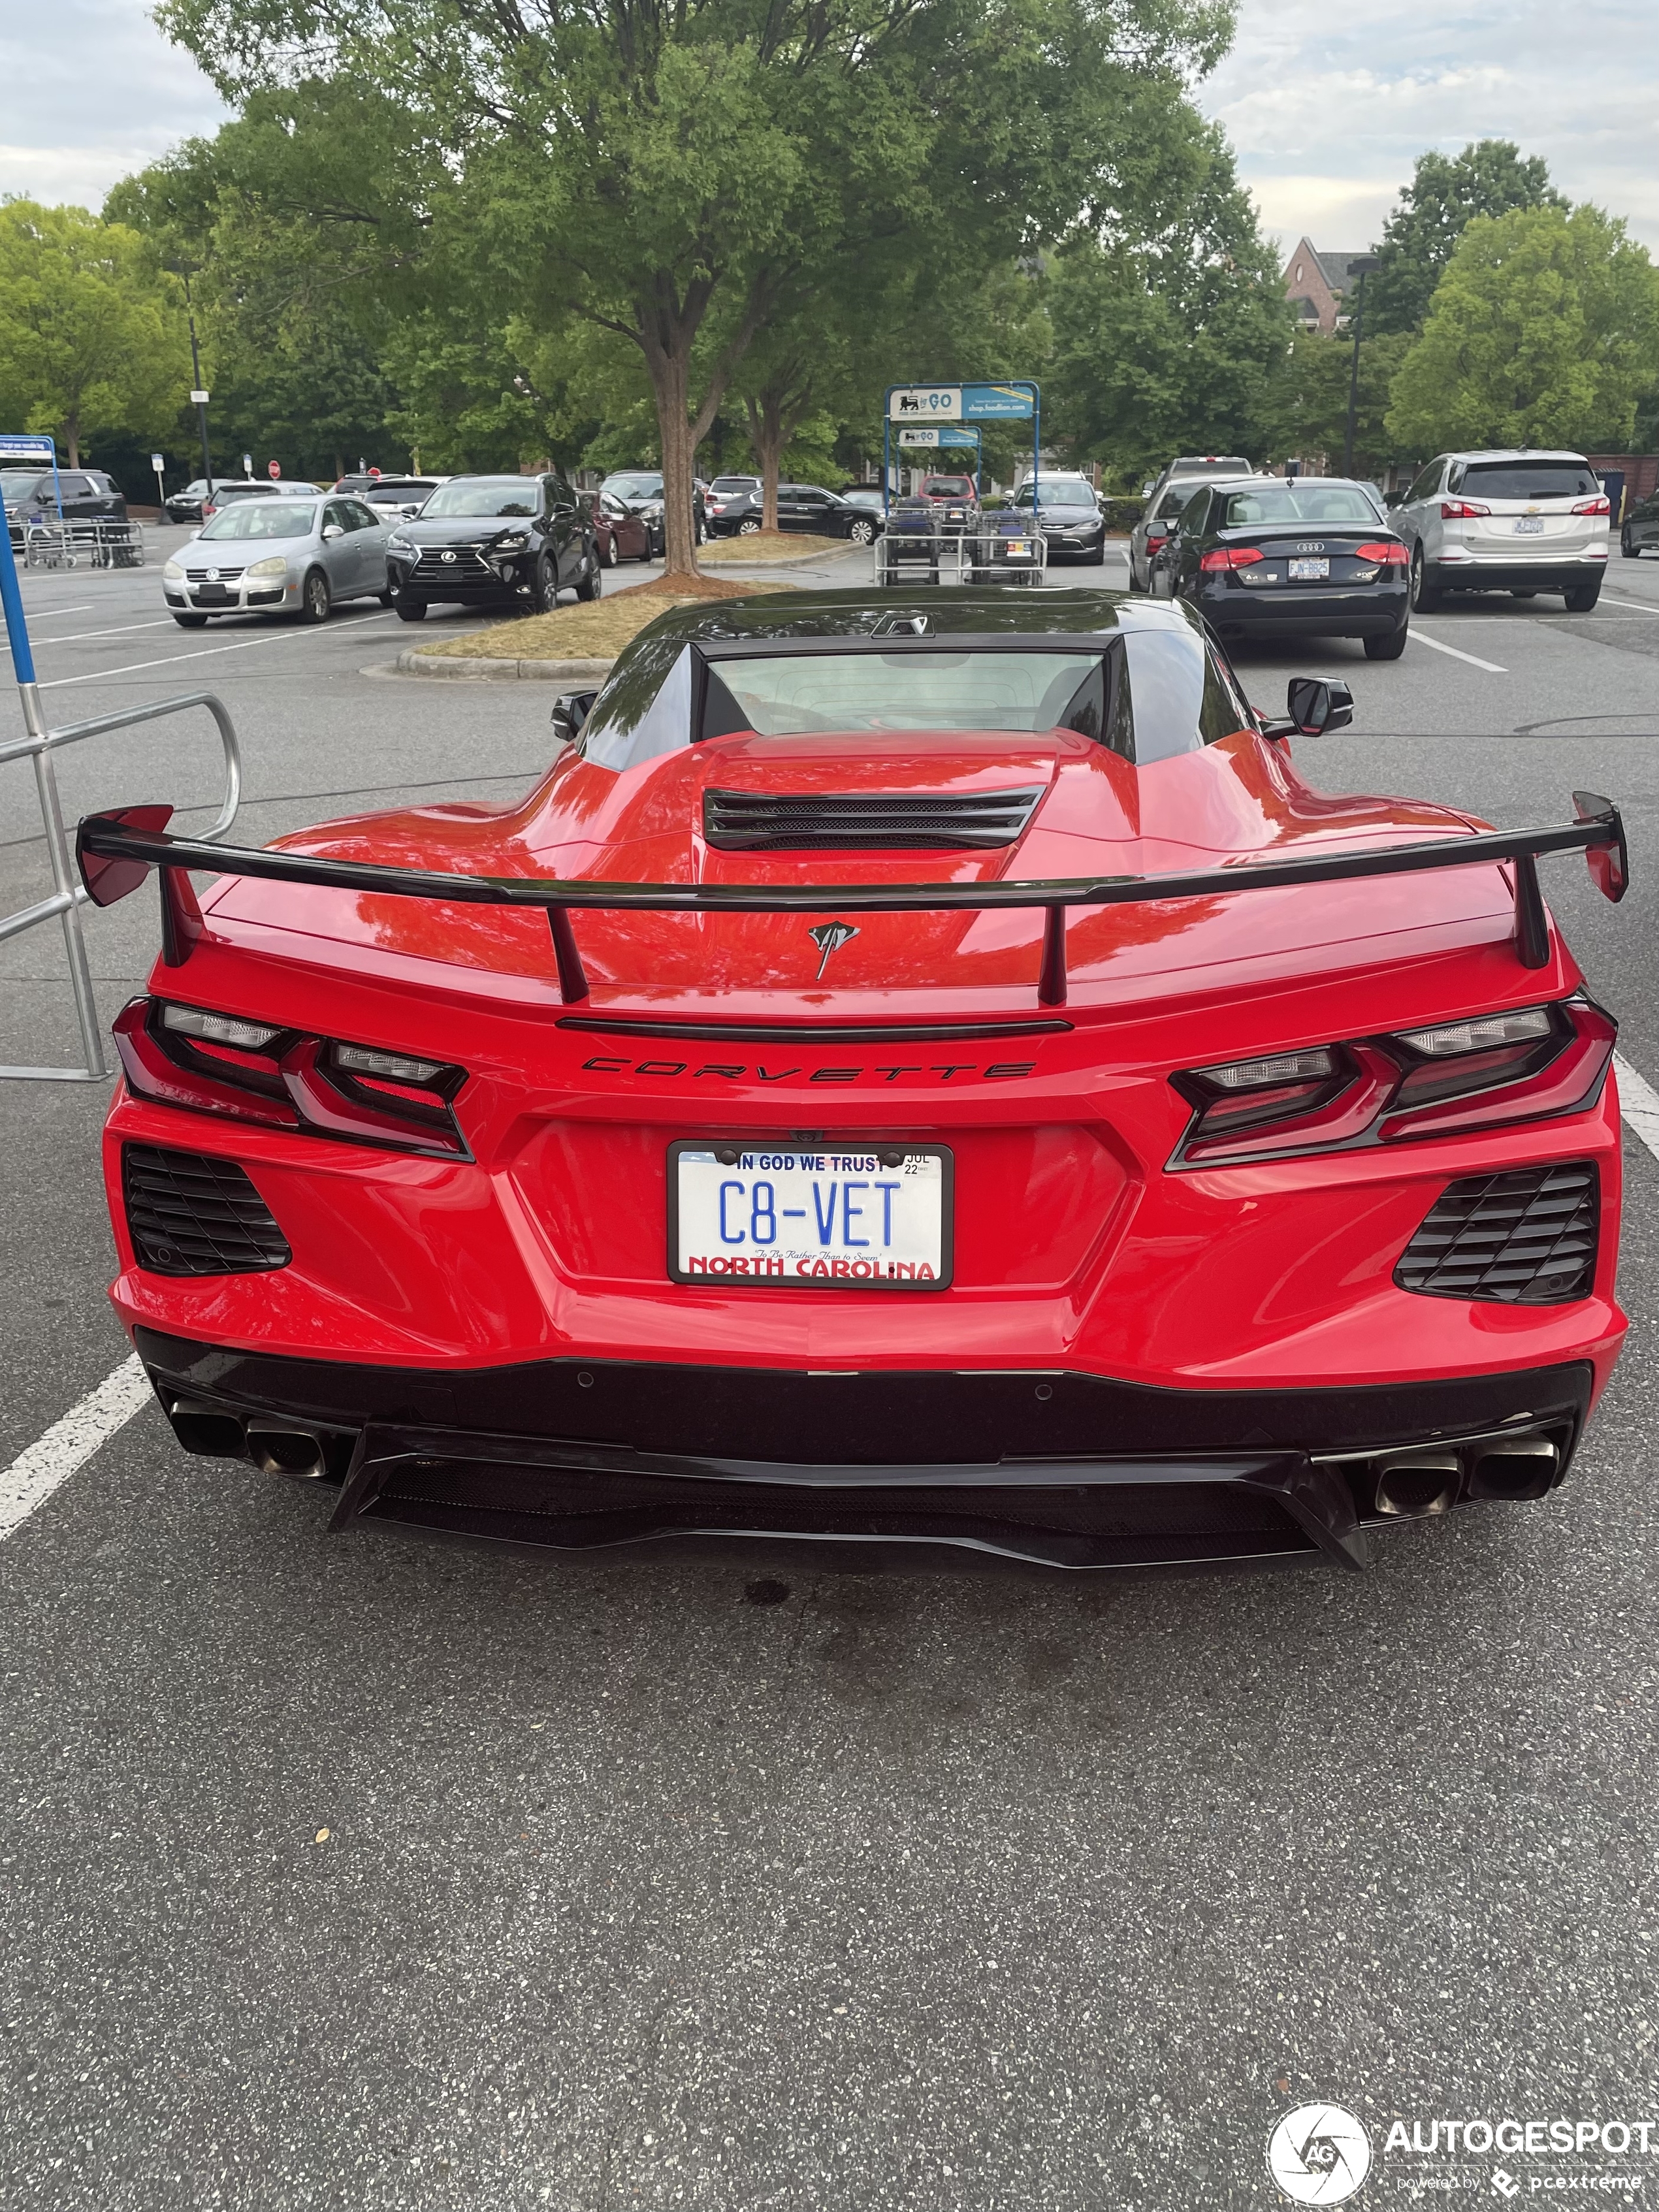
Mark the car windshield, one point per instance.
(1526, 480)
(1295, 503)
(483, 495)
(634, 487)
(264, 517)
(400, 492)
(17, 484)
(1057, 492)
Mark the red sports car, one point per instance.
(920, 1071)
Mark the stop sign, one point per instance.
(274, 469)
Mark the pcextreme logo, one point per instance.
(1318, 2155)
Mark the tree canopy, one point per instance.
(1544, 331)
(1447, 192)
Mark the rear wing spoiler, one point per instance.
(116, 850)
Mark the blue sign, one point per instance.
(16, 446)
(997, 403)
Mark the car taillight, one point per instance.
(1232, 556)
(1523, 1065)
(288, 1079)
(1390, 556)
(1602, 506)
(1462, 510)
(1155, 540)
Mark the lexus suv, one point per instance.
(1519, 522)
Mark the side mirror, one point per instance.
(1316, 704)
(331, 530)
(570, 710)
(1145, 491)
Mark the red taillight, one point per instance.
(1462, 510)
(1602, 506)
(287, 1079)
(1232, 556)
(1522, 1065)
(1391, 556)
(1154, 541)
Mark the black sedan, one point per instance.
(1312, 557)
(800, 506)
(1640, 533)
(479, 539)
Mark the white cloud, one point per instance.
(1329, 112)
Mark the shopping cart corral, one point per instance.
(926, 543)
(92, 545)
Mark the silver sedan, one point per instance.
(280, 555)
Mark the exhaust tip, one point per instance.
(295, 1452)
(1524, 1468)
(1415, 1485)
(207, 1430)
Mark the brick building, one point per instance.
(1314, 284)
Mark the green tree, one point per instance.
(646, 168)
(1310, 409)
(1543, 331)
(91, 335)
(1173, 341)
(1447, 192)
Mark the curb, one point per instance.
(790, 561)
(414, 662)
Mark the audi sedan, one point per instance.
(1265, 557)
(275, 556)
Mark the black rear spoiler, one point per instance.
(116, 850)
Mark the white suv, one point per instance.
(1520, 522)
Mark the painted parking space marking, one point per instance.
(124, 630)
(202, 653)
(1638, 1103)
(70, 1443)
(1421, 637)
(1640, 605)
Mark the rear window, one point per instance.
(1294, 504)
(1525, 479)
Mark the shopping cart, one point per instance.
(1007, 548)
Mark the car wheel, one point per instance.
(1628, 546)
(702, 530)
(1135, 584)
(750, 529)
(545, 590)
(587, 584)
(1425, 597)
(316, 600)
(409, 610)
(190, 622)
(861, 531)
(1583, 597)
(609, 556)
(1389, 648)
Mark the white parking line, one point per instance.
(125, 630)
(1638, 1103)
(1422, 637)
(51, 1459)
(1640, 605)
(202, 653)
(52, 614)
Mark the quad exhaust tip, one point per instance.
(274, 1447)
(295, 1452)
(1412, 1486)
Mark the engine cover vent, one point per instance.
(191, 1214)
(1526, 1238)
(768, 822)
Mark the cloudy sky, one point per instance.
(1328, 116)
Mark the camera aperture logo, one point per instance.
(1318, 2155)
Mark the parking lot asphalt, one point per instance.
(360, 1873)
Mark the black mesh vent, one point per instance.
(1526, 1238)
(764, 822)
(192, 1215)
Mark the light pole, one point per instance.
(1361, 266)
(198, 393)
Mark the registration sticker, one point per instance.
(839, 1218)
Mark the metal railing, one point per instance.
(69, 894)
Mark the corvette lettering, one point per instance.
(1001, 1071)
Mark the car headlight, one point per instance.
(516, 541)
(399, 544)
(172, 573)
(274, 564)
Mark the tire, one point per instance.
(1389, 648)
(1425, 599)
(609, 556)
(587, 584)
(1628, 546)
(750, 529)
(861, 532)
(409, 610)
(702, 532)
(1139, 589)
(190, 622)
(544, 590)
(1583, 597)
(316, 600)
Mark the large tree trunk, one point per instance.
(668, 326)
(767, 436)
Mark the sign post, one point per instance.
(918, 408)
(159, 462)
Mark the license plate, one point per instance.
(214, 595)
(1307, 571)
(1529, 525)
(841, 1219)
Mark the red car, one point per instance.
(619, 533)
(921, 1071)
